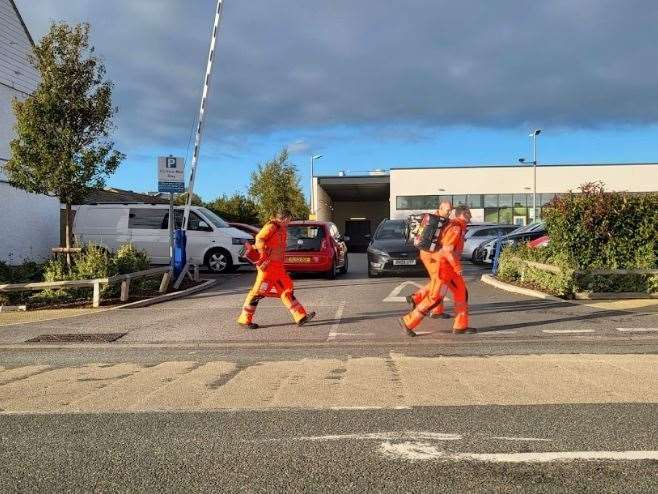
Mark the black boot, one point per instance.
(308, 317)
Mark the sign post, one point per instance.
(171, 178)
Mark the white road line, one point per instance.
(638, 330)
(567, 331)
(337, 317)
(423, 451)
(385, 436)
(522, 439)
(494, 333)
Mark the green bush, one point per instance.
(93, 262)
(589, 230)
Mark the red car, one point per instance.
(540, 242)
(316, 247)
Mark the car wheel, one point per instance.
(474, 258)
(331, 274)
(345, 267)
(372, 274)
(219, 261)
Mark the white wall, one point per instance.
(29, 225)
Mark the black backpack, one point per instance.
(424, 231)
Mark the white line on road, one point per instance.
(494, 333)
(337, 318)
(385, 436)
(638, 330)
(567, 331)
(424, 451)
(521, 439)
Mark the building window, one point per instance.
(545, 199)
(491, 200)
(475, 201)
(416, 202)
(459, 200)
(520, 201)
(505, 215)
(491, 215)
(505, 200)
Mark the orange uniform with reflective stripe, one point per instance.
(444, 268)
(272, 279)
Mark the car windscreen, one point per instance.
(214, 219)
(305, 238)
(391, 230)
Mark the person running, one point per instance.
(272, 279)
(446, 274)
(429, 260)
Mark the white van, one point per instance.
(210, 240)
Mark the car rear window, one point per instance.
(391, 230)
(301, 237)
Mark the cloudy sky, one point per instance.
(374, 83)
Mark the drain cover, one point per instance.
(77, 338)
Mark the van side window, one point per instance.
(147, 219)
(193, 224)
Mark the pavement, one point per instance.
(547, 397)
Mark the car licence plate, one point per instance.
(298, 260)
(404, 262)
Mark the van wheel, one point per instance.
(219, 261)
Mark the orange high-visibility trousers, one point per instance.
(457, 286)
(429, 298)
(273, 281)
(443, 278)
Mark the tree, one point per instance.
(276, 184)
(63, 146)
(237, 207)
(181, 199)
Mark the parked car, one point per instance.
(539, 242)
(210, 239)
(316, 247)
(389, 253)
(485, 252)
(476, 235)
(243, 227)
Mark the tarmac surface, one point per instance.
(547, 397)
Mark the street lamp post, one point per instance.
(534, 135)
(313, 158)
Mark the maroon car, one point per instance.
(316, 247)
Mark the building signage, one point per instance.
(171, 174)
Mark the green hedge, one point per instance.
(593, 229)
(93, 262)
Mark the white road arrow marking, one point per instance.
(394, 296)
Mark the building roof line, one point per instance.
(540, 165)
(20, 18)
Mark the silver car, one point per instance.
(478, 234)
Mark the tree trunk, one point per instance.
(68, 234)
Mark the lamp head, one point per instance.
(317, 156)
(521, 160)
(535, 133)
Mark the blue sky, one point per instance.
(437, 83)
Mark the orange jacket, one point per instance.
(271, 242)
(452, 243)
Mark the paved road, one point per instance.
(426, 449)
(350, 309)
(548, 397)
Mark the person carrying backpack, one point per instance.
(445, 269)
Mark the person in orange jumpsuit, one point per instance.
(272, 279)
(428, 260)
(446, 273)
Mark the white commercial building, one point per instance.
(29, 223)
(497, 194)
